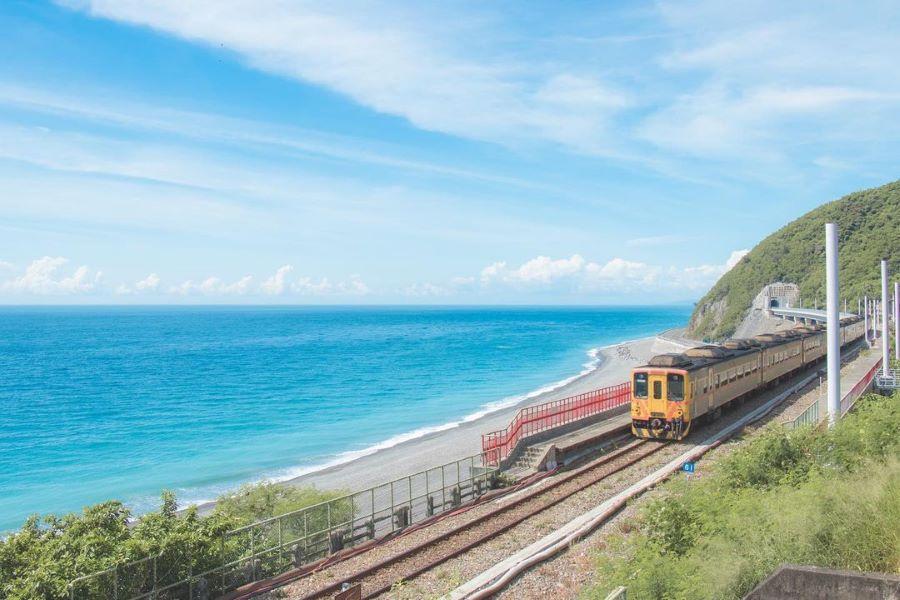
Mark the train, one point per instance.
(673, 390)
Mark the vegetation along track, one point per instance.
(378, 578)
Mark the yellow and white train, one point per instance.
(674, 390)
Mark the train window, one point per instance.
(640, 385)
(717, 382)
(657, 390)
(675, 387)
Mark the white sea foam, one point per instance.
(595, 360)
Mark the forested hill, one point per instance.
(869, 229)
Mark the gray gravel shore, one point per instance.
(416, 455)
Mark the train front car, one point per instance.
(660, 400)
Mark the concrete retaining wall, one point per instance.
(795, 582)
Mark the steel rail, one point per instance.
(544, 497)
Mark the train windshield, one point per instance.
(640, 385)
(675, 387)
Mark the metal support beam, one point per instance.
(885, 338)
(833, 331)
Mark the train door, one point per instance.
(658, 395)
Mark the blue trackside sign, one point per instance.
(688, 467)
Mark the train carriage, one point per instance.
(813, 343)
(782, 354)
(673, 390)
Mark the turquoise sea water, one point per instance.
(122, 402)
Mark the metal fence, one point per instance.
(813, 416)
(273, 546)
(810, 416)
(861, 386)
(497, 445)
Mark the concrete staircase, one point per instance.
(527, 461)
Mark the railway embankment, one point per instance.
(824, 497)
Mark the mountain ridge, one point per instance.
(868, 230)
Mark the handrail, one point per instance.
(530, 420)
(811, 416)
(856, 391)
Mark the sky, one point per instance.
(266, 151)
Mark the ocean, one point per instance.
(99, 403)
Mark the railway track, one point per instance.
(518, 507)
(379, 578)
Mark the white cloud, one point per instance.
(7, 266)
(391, 58)
(307, 286)
(774, 76)
(275, 285)
(575, 274)
(214, 286)
(735, 258)
(539, 270)
(41, 277)
(149, 284)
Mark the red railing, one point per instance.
(530, 420)
(861, 386)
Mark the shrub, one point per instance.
(40, 559)
(828, 498)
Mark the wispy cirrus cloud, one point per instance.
(393, 59)
(759, 75)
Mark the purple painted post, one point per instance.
(885, 338)
(897, 320)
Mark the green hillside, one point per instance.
(869, 229)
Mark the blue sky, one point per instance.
(261, 151)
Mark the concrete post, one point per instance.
(866, 317)
(833, 331)
(885, 338)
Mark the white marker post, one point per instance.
(866, 317)
(833, 331)
(885, 338)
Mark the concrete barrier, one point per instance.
(796, 582)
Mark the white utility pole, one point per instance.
(885, 338)
(833, 331)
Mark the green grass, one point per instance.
(827, 498)
(39, 560)
(869, 230)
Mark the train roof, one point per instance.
(701, 356)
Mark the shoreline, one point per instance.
(396, 457)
